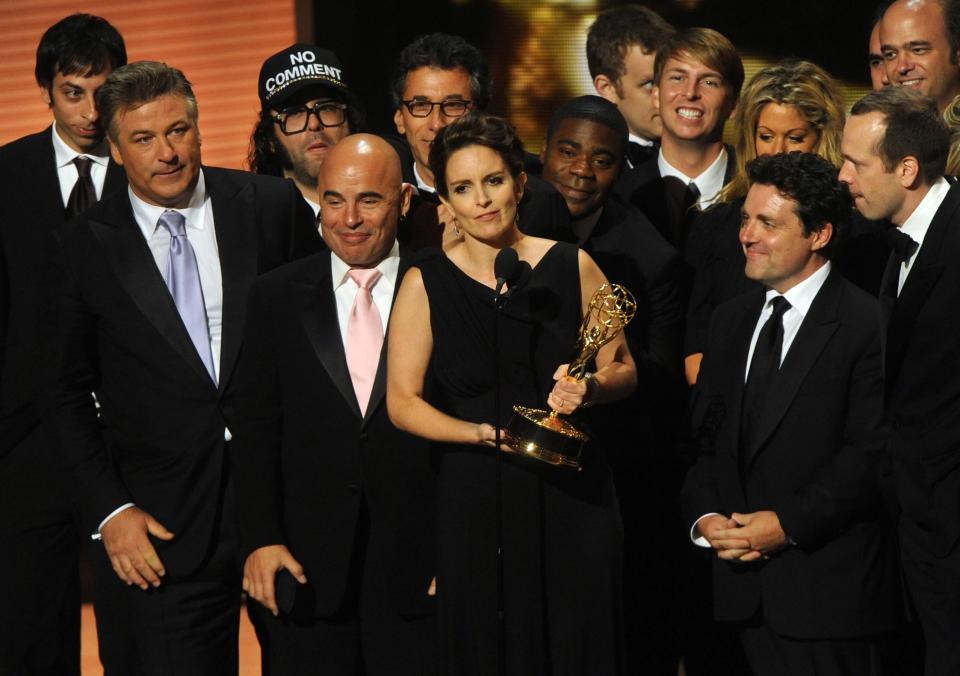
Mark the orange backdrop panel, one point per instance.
(219, 45)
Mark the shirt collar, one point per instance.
(65, 155)
(388, 268)
(709, 183)
(800, 296)
(640, 140)
(148, 215)
(918, 222)
(420, 184)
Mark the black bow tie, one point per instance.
(902, 244)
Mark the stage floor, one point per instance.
(90, 662)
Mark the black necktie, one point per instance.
(84, 195)
(638, 153)
(902, 244)
(763, 368)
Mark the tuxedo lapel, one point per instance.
(815, 331)
(47, 204)
(318, 314)
(925, 271)
(236, 230)
(133, 263)
(116, 179)
(735, 360)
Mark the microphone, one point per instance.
(505, 267)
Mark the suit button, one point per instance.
(363, 437)
(353, 489)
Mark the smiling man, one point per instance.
(697, 80)
(786, 489)
(48, 178)
(920, 43)
(305, 109)
(582, 157)
(330, 491)
(147, 303)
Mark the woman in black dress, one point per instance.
(561, 528)
(787, 107)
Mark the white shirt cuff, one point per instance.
(96, 536)
(700, 541)
(227, 436)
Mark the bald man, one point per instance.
(336, 505)
(920, 43)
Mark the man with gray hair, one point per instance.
(148, 296)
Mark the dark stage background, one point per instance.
(536, 49)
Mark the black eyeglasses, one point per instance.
(449, 108)
(295, 120)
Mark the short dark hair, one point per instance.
(137, 83)
(705, 45)
(812, 182)
(445, 52)
(80, 44)
(264, 156)
(951, 19)
(596, 109)
(475, 129)
(618, 29)
(914, 127)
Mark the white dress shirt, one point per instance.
(800, 298)
(202, 235)
(345, 289)
(67, 170)
(919, 222)
(709, 183)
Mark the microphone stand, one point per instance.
(498, 302)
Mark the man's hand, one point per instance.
(761, 530)
(260, 572)
(715, 529)
(134, 560)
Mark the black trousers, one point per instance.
(934, 586)
(771, 654)
(39, 577)
(365, 636)
(185, 627)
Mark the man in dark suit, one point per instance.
(895, 147)
(697, 79)
(786, 489)
(48, 178)
(329, 490)
(148, 304)
(622, 45)
(582, 157)
(438, 78)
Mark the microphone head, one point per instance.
(505, 264)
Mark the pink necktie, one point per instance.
(364, 336)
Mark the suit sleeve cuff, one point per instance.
(125, 506)
(700, 541)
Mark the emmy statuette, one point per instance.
(545, 435)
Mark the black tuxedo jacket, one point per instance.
(643, 187)
(815, 462)
(159, 439)
(921, 345)
(31, 207)
(306, 458)
(630, 252)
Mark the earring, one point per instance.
(456, 229)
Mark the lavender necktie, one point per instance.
(183, 280)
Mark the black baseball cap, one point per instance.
(296, 68)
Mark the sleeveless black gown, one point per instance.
(561, 529)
